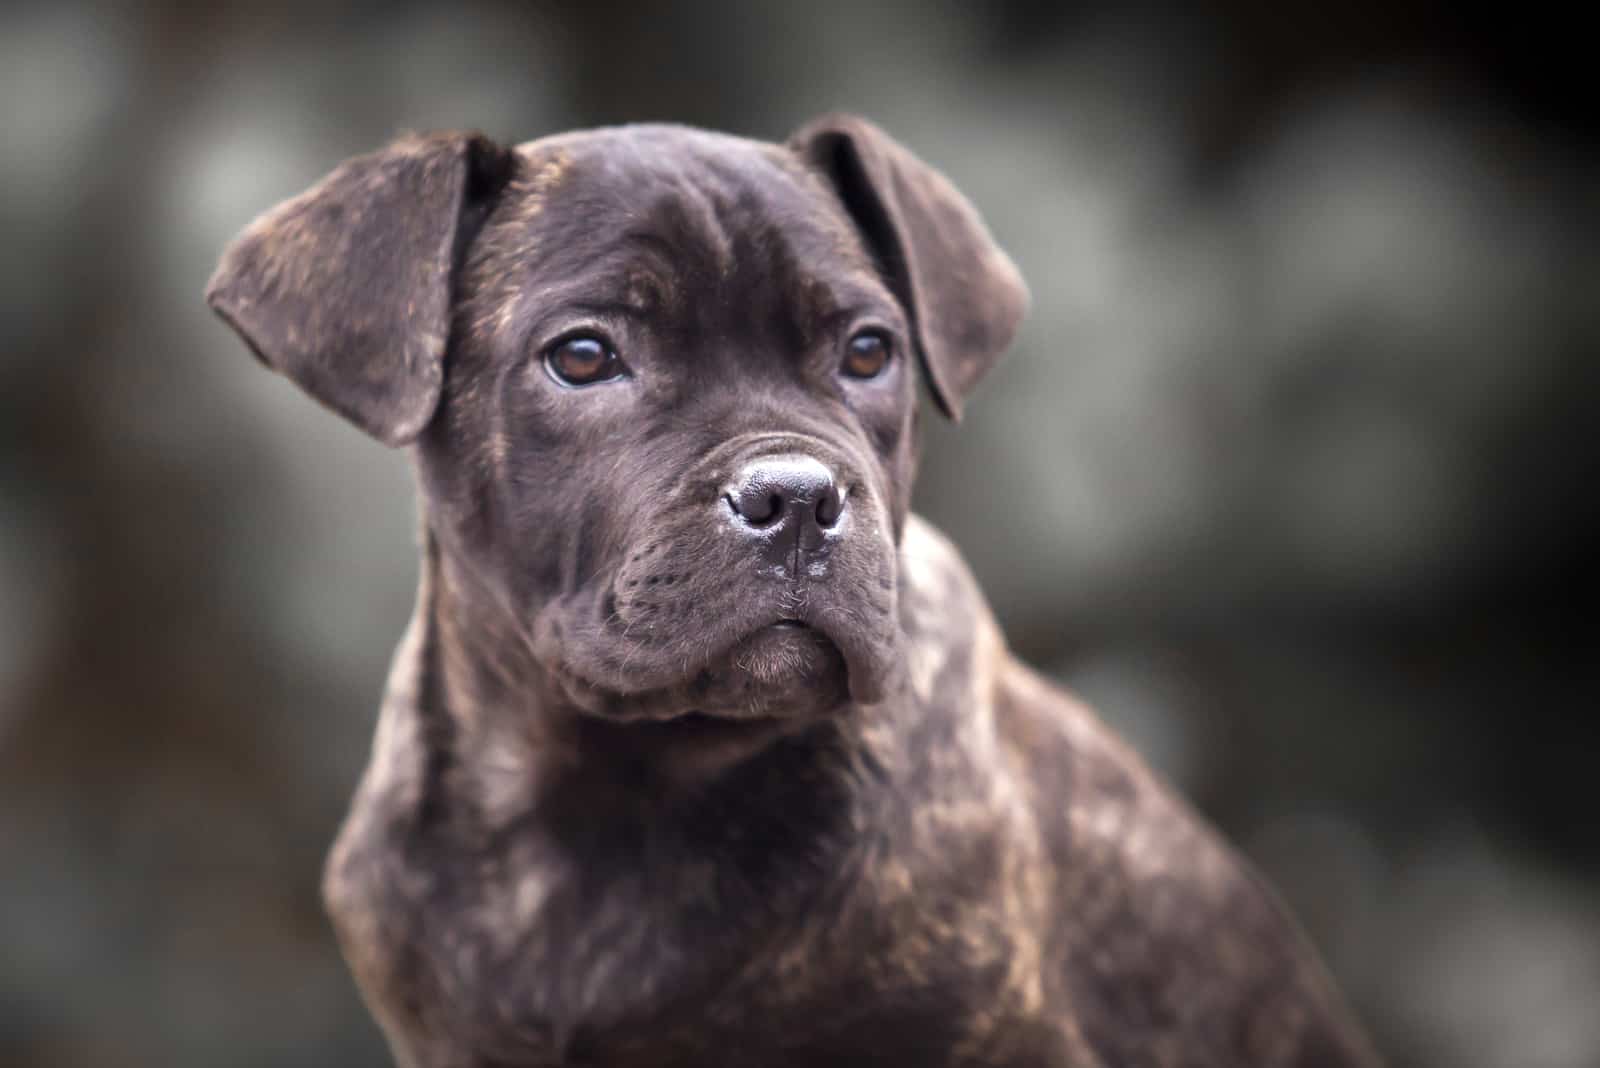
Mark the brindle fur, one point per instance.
(882, 840)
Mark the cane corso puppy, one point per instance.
(700, 748)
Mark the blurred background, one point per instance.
(1291, 472)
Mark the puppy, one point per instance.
(700, 748)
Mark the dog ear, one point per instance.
(963, 294)
(347, 288)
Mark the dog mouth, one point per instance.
(777, 680)
(692, 620)
(784, 669)
(770, 668)
(789, 650)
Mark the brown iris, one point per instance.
(582, 361)
(867, 355)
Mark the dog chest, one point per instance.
(526, 959)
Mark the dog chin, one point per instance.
(785, 668)
(784, 671)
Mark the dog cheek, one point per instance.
(649, 588)
(671, 582)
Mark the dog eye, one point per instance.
(582, 361)
(867, 355)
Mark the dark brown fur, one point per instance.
(613, 816)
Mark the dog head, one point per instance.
(658, 383)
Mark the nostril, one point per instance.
(830, 505)
(756, 505)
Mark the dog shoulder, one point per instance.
(939, 593)
(1148, 898)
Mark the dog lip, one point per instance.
(800, 617)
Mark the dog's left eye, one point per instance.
(867, 355)
(583, 361)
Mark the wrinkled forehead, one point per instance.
(662, 218)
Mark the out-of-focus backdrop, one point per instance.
(1292, 471)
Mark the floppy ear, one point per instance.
(964, 296)
(347, 288)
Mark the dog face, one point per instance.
(659, 384)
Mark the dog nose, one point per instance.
(788, 491)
